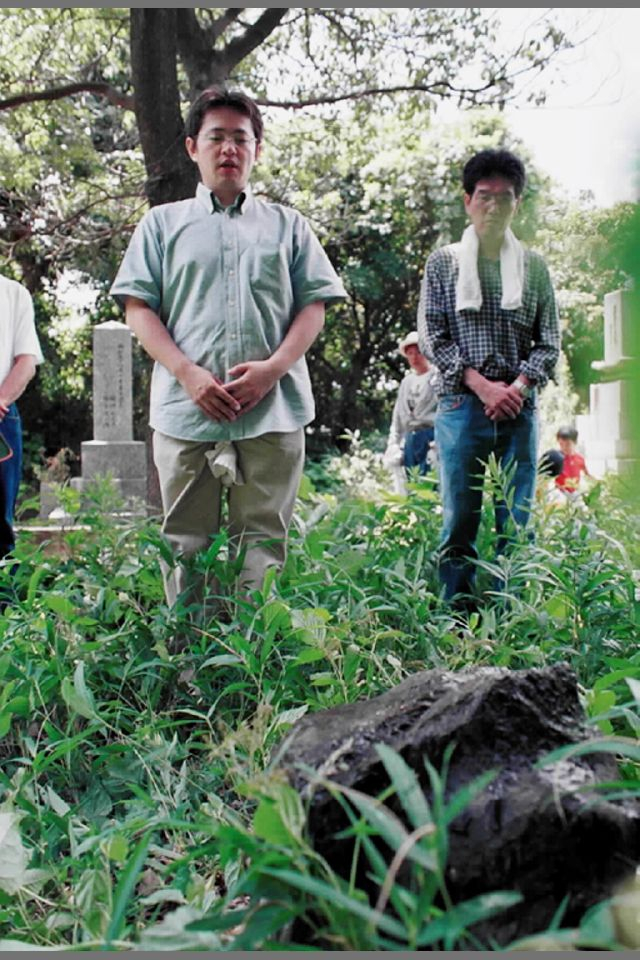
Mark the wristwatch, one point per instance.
(521, 387)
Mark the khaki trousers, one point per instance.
(259, 511)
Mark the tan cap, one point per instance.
(408, 340)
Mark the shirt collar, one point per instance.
(212, 205)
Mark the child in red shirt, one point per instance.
(573, 464)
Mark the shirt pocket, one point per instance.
(523, 318)
(268, 270)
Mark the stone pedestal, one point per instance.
(124, 462)
(113, 452)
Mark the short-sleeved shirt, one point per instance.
(227, 283)
(497, 343)
(573, 466)
(17, 327)
(415, 406)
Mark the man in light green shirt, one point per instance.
(227, 292)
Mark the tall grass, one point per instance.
(135, 804)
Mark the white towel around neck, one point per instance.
(468, 291)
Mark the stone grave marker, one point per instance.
(113, 451)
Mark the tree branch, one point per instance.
(219, 25)
(99, 88)
(255, 34)
(440, 87)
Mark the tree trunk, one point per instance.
(171, 175)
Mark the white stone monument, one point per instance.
(113, 451)
(608, 434)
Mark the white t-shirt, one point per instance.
(17, 327)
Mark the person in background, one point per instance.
(550, 464)
(410, 440)
(226, 292)
(488, 320)
(573, 463)
(19, 355)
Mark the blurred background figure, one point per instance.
(573, 463)
(563, 468)
(551, 463)
(410, 442)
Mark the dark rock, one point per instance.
(538, 831)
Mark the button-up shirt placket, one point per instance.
(231, 272)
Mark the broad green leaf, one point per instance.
(352, 561)
(322, 679)
(309, 655)
(268, 825)
(310, 624)
(117, 847)
(558, 606)
(601, 701)
(82, 688)
(290, 716)
(222, 660)
(13, 857)
(77, 695)
(60, 605)
(6, 692)
(452, 924)
(5, 663)
(174, 933)
(57, 804)
(315, 545)
(19, 706)
(634, 686)
(611, 678)
(276, 615)
(306, 487)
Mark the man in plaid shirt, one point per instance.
(488, 320)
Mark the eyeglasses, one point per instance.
(237, 139)
(502, 200)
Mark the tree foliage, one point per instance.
(581, 243)
(91, 132)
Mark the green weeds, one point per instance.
(134, 804)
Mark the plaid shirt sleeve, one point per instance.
(540, 365)
(436, 338)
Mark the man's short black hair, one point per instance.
(551, 463)
(567, 433)
(494, 163)
(219, 96)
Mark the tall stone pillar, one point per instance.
(113, 451)
(610, 430)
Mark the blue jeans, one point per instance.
(10, 471)
(416, 448)
(465, 438)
